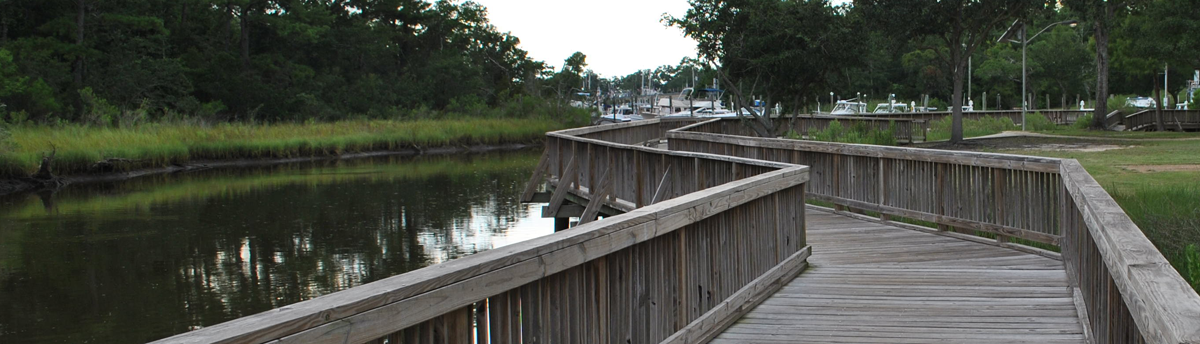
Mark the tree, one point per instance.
(261, 59)
(1158, 33)
(1062, 62)
(1102, 14)
(571, 75)
(958, 26)
(1001, 72)
(777, 50)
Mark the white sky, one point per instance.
(619, 37)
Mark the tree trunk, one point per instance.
(956, 101)
(183, 13)
(77, 66)
(3, 27)
(1101, 26)
(245, 23)
(760, 123)
(227, 29)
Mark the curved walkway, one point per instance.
(875, 283)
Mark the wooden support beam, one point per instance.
(565, 211)
(662, 186)
(540, 197)
(598, 198)
(539, 176)
(564, 184)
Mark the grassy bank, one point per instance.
(146, 193)
(157, 145)
(1157, 183)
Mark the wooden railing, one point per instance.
(1060, 117)
(635, 132)
(985, 192)
(1173, 120)
(1128, 289)
(676, 269)
(1113, 119)
(904, 130)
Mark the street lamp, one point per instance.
(1018, 28)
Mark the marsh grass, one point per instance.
(1165, 205)
(1170, 218)
(988, 125)
(157, 145)
(856, 132)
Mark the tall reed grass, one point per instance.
(156, 145)
(988, 125)
(1170, 217)
(856, 132)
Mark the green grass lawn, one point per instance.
(1156, 182)
(1072, 131)
(157, 145)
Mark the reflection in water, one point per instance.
(145, 259)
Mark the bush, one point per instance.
(1083, 122)
(858, 132)
(96, 110)
(1037, 122)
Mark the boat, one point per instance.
(849, 107)
(619, 114)
(891, 108)
(1140, 102)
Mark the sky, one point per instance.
(619, 37)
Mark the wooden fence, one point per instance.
(1172, 120)
(1129, 291)
(1060, 117)
(728, 232)
(904, 130)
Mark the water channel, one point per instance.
(139, 260)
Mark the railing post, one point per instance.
(940, 195)
(639, 180)
(998, 199)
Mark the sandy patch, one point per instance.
(1162, 168)
(1069, 147)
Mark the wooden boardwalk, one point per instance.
(874, 283)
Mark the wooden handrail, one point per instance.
(1172, 119)
(999, 160)
(1157, 302)
(586, 267)
(1129, 290)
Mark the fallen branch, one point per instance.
(44, 172)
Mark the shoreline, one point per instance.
(11, 187)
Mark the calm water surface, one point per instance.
(140, 260)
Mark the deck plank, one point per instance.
(873, 283)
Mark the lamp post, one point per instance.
(1022, 34)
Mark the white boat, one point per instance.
(848, 107)
(891, 108)
(619, 114)
(1141, 102)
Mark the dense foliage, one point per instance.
(117, 62)
(878, 48)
